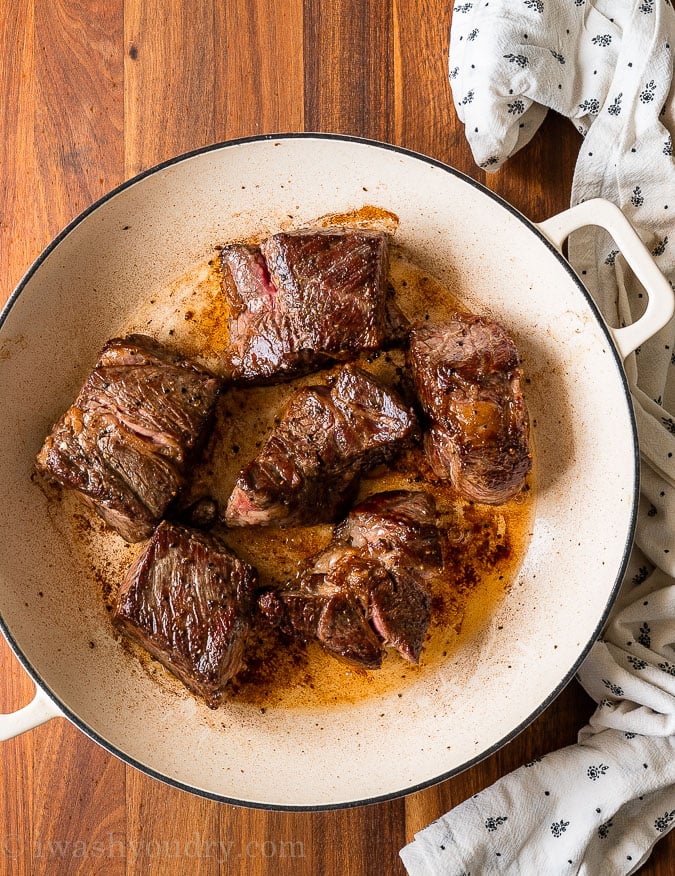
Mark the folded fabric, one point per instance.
(527, 823)
(599, 806)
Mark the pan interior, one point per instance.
(144, 237)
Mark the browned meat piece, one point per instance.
(262, 345)
(188, 600)
(367, 589)
(398, 529)
(333, 285)
(301, 300)
(126, 442)
(467, 374)
(400, 612)
(338, 621)
(308, 469)
(134, 350)
(71, 456)
(395, 527)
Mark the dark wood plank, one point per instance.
(20, 240)
(349, 67)
(79, 824)
(423, 111)
(78, 157)
(61, 148)
(168, 830)
(16, 771)
(259, 842)
(258, 68)
(170, 101)
(348, 842)
(78, 111)
(19, 244)
(169, 84)
(260, 89)
(375, 833)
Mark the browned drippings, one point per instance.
(210, 324)
(484, 548)
(367, 216)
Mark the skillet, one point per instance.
(141, 237)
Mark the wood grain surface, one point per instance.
(91, 92)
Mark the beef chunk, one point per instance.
(398, 530)
(188, 600)
(262, 345)
(333, 285)
(396, 527)
(467, 375)
(126, 442)
(368, 588)
(307, 471)
(302, 300)
(337, 620)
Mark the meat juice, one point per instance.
(484, 547)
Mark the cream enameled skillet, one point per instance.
(142, 236)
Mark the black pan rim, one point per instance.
(621, 568)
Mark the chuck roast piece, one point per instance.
(188, 600)
(330, 603)
(126, 442)
(397, 528)
(301, 300)
(368, 588)
(467, 375)
(308, 469)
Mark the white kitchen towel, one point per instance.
(597, 807)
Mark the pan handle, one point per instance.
(661, 303)
(40, 709)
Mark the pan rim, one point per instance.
(621, 567)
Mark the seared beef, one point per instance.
(301, 300)
(368, 588)
(333, 287)
(188, 600)
(307, 471)
(262, 346)
(329, 603)
(467, 374)
(396, 527)
(125, 443)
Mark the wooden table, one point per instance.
(91, 92)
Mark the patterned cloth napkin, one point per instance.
(599, 806)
